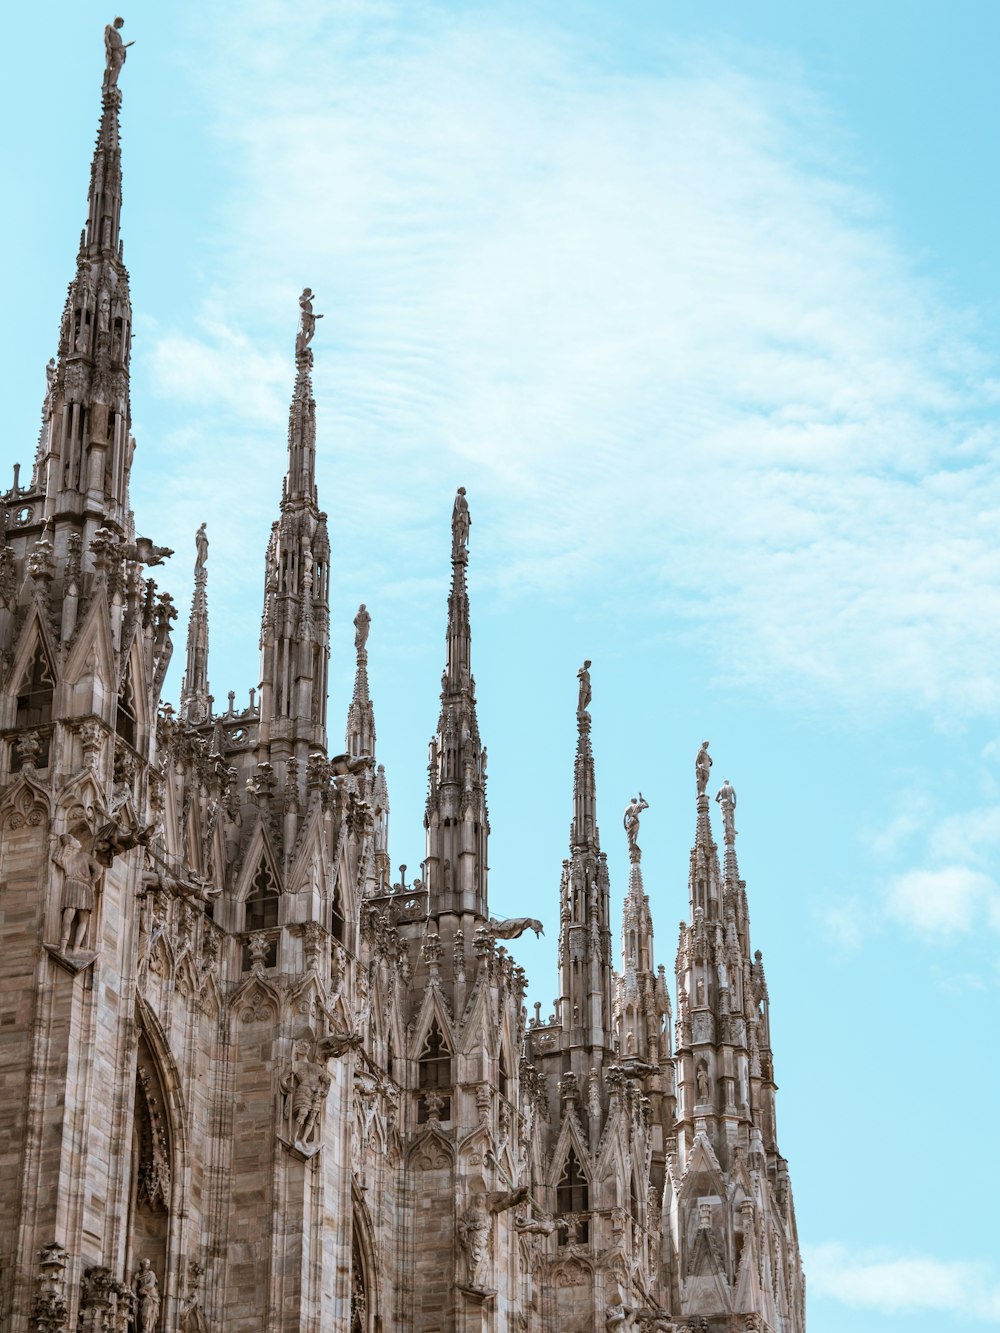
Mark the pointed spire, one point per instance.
(85, 451)
(583, 830)
(456, 816)
(703, 876)
(300, 484)
(194, 704)
(361, 715)
(295, 626)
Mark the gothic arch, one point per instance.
(365, 1305)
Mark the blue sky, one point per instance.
(700, 302)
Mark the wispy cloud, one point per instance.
(948, 901)
(904, 1284)
(652, 318)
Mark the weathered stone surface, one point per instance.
(246, 1082)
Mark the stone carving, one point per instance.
(704, 1087)
(540, 1225)
(362, 625)
(114, 53)
(147, 1297)
(619, 1316)
(307, 322)
(515, 926)
(460, 525)
(585, 693)
(81, 883)
(631, 821)
(201, 545)
(305, 1088)
(49, 1312)
(702, 768)
(726, 798)
(474, 1238)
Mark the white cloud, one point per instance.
(651, 316)
(945, 901)
(901, 1285)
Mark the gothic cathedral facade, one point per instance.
(250, 1084)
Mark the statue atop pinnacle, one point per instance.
(201, 545)
(631, 821)
(460, 524)
(362, 624)
(307, 322)
(726, 798)
(114, 53)
(585, 695)
(702, 768)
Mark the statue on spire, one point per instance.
(114, 53)
(362, 624)
(585, 695)
(460, 524)
(201, 542)
(307, 321)
(726, 798)
(632, 812)
(702, 768)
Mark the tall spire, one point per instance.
(85, 450)
(360, 737)
(194, 705)
(585, 929)
(456, 817)
(295, 629)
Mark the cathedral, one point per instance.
(251, 1084)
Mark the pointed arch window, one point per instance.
(125, 718)
(434, 1074)
(338, 925)
(34, 703)
(261, 912)
(573, 1198)
(502, 1078)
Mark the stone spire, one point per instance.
(643, 1005)
(295, 628)
(360, 737)
(456, 817)
(85, 448)
(194, 702)
(585, 930)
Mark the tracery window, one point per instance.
(125, 724)
(261, 912)
(434, 1073)
(34, 702)
(573, 1198)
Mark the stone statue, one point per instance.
(307, 321)
(305, 1087)
(460, 524)
(82, 873)
(632, 812)
(704, 1090)
(147, 1298)
(201, 542)
(702, 767)
(473, 1235)
(515, 927)
(501, 1200)
(619, 1316)
(726, 798)
(362, 624)
(585, 695)
(50, 386)
(114, 53)
(534, 1226)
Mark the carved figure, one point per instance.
(619, 1316)
(201, 543)
(515, 926)
(473, 1235)
(147, 1297)
(726, 798)
(82, 878)
(362, 624)
(114, 53)
(501, 1200)
(585, 695)
(702, 768)
(305, 1087)
(50, 386)
(461, 522)
(307, 321)
(632, 812)
(534, 1226)
(701, 1078)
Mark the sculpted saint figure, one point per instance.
(147, 1296)
(461, 521)
(305, 1087)
(473, 1234)
(702, 767)
(362, 624)
(701, 1078)
(632, 812)
(82, 873)
(201, 542)
(726, 798)
(307, 321)
(585, 695)
(114, 52)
